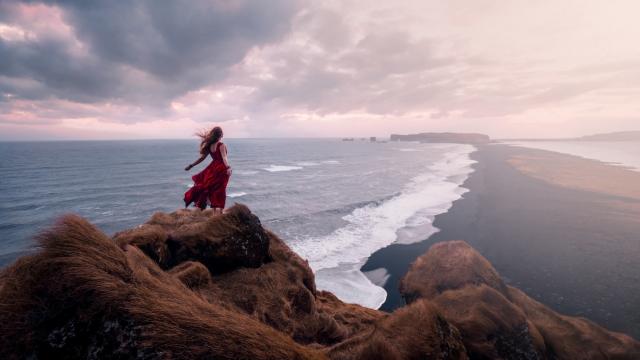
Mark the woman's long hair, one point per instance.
(209, 138)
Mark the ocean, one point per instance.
(620, 153)
(333, 202)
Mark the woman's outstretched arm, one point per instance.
(201, 159)
(223, 152)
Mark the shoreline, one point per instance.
(554, 241)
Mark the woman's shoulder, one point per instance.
(213, 147)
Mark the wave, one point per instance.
(405, 218)
(379, 276)
(331, 162)
(279, 168)
(236, 194)
(245, 172)
(408, 149)
(307, 163)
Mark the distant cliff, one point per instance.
(461, 138)
(190, 285)
(615, 136)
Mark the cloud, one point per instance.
(400, 61)
(332, 68)
(141, 52)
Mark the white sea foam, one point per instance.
(351, 285)
(245, 172)
(278, 168)
(408, 149)
(307, 163)
(405, 218)
(236, 194)
(331, 162)
(379, 276)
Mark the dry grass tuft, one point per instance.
(190, 285)
(417, 331)
(193, 274)
(84, 297)
(87, 296)
(500, 322)
(230, 241)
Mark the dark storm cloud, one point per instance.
(52, 71)
(144, 52)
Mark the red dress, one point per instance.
(209, 185)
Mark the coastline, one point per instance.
(554, 241)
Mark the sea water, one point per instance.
(621, 153)
(333, 202)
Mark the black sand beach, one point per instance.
(574, 250)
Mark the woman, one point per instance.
(210, 185)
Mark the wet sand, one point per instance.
(564, 229)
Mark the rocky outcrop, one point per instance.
(190, 285)
(221, 246)
(497, 321)
(460, 138)
(83, 297)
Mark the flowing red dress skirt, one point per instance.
(209, 185)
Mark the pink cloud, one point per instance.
(329, 69)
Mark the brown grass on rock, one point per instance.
(192, 273)
(418, 331)
(190, 285)
(170, 239)
(570, 337)
(455, 265)
(83, 297)
(498, 321)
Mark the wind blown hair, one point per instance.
(209, 137)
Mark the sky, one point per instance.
(294, 68)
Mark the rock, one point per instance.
(191, 285)
(226, 289)
(497, 321)
(566, 336)
(193, 274)
(450, 265)
(236, 240)
(82, 296)
(418, 331)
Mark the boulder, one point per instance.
(233, 241)
(497, 321)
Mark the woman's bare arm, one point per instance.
(201, 159)
(223, 152)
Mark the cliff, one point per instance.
(189, 285)
(461, 138)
